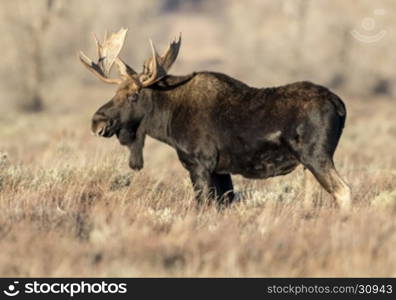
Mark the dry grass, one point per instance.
(69, 206)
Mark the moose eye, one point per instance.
(133, 97)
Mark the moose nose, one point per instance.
(98, 129)
(102, 131)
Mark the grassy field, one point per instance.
(69, 205)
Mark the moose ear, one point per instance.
(170, 81)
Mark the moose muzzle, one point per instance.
(104, 128)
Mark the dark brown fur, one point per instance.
(220, 126)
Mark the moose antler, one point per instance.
(108, 52)
(157, 66)
(170, 56)
(154, 68)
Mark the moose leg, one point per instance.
(308, 189)
(315, 151)
(332, 182)
(202, 184)
(223, 187)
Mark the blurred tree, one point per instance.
(30, 21)
(174, 5)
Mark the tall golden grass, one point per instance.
(70, 206)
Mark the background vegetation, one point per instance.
(69, 205)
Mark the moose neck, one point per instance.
(156, 122)
(165, 96)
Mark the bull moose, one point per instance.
(218, 125)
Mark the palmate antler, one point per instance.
(157, 66)
(108, 52)
(154, 68)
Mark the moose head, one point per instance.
(129, 104)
